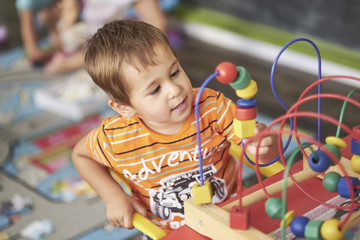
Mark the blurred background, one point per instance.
(39, 104)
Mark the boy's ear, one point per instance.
(122, 109)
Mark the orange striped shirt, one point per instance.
(161, 169)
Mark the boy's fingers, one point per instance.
(139, 207)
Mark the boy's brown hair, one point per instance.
(117, 43)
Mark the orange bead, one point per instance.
(245, 113)
(330, 230)
(227, 72)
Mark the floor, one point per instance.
(199, 60)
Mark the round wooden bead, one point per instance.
(227, 72)
(343, 187)
(319, 161)
(340, 143)
(355, 162)
(355, 134)
(247, 103)
(331, 180)
(297, 226)
(248, 92)
(245, 113)
(243, 79)
(330, 230)
(355, 146)
(289, 216)
(273, 207)
(334, 149)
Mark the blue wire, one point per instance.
(276, 96)
(205, 83)
(319, 85)
(282, 103)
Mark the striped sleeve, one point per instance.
(225, 116)
(97, 143)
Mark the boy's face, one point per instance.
(161, 94)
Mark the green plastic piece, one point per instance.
(312, 230)
(273, 208)
(242, 80)
(331, 180)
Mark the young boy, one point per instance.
(152, 142)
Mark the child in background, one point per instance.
(94, 14)
(152, 142)
(34, 13)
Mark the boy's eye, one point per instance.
(156, 90)
(175, 73)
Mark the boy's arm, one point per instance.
(28, 34)
(119, 206)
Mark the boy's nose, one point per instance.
(174, 90)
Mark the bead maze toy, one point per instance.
(334, 163)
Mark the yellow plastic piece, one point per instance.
(289, 216)
(268, 171)
(147, 227)
(355, 162)
(202, 194)
(248, 92)
(330, 231)
(340, 143)
(244, 128)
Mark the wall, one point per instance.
(336, 21)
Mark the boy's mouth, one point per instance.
(180, 105)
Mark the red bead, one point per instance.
(245, 113)
(227, 72)
(356, 133)
(240, 218)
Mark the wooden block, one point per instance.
(213, 222)
(244, 128)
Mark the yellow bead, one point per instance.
(244, 128)
(248, 92)
(355, 162)
(330, 230)
(340, 143)
(202, 194)
(289, 216)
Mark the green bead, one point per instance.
(330, 181)
(312, 230)
(242, 80)
(334, 149)
(273, 208)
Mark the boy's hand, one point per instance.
(268, 148)
(120, 211)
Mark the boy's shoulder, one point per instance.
(119, 123)
(206, 92)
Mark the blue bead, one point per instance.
(298, 225)
(319, 161)
(355, 147)
(247, 103)
(343, 188)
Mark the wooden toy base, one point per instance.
(212, 222)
